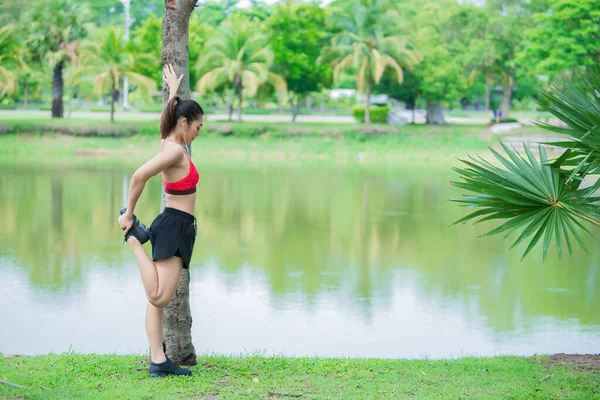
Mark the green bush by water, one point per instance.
(378, 114)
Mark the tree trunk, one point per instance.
(112, 101)
(488, 90)
(280, 102)
(435, 114)
(57, 91)
(296, 109)
(507, 89)
(177, 330)
(231, 110)
(239, 90)
(368, 103)
(25, 93)
(414, 105)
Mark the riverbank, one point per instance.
(75, 376)
(134, 140)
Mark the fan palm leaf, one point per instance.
(546, 198)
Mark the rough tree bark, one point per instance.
(435, 114)
(239, 90)
(112, 101)
(507, 89)
(488, 90)
(57, 91)
(177, 332)
(296, 107)
(368, 102)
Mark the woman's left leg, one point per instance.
(169, 274)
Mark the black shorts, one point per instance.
(173, 233)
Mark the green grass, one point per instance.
(251, 140)
(73, 376)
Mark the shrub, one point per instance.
(378, 114)
(504, 120)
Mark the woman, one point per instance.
(173, 232)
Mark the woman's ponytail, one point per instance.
(169, 119)
(175, 109)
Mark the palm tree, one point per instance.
(52, 38)
(10, 60)
(239, 56)
(108, 59)
(545, 198)
(368, 42)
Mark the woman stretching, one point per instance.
(173, 232)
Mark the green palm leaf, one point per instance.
(532, 195)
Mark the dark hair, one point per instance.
(175, 109)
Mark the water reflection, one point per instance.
(370, 246)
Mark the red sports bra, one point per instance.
(187, 185)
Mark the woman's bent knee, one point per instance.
(159, 301)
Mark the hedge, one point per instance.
(378, 114)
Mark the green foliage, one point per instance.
(199, 33)
(48, 34)
(297, 36)
(440, 74)
(237, 56)
(564, 37)
(368, 42)
(378, 114)
(147, 39)
(10, 58)
(504, 120)
(107, 59)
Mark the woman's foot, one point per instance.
(166, 368)
(138, 230)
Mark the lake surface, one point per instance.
(304, 260)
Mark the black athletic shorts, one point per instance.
(173, 233)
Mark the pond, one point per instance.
(310, 259)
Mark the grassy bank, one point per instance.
(125, 377)
(247, 141)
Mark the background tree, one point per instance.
(369, 41)
(146, 39)
(107, 59)
(297, 36)
(10, 60)
(508, 21)
(52, 39)
(563, 38)
(240, 56)
(440, 74)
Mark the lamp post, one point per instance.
(128, 23)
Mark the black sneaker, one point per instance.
(166, 368)
(138, 230)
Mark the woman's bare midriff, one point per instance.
(184, 202)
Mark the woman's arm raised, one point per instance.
(172, 80)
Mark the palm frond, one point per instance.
(532, 195)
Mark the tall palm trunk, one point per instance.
(239, 88)
(112, 100)
(25, 93)
(368, 102)
(57, 91)
(177, 331)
